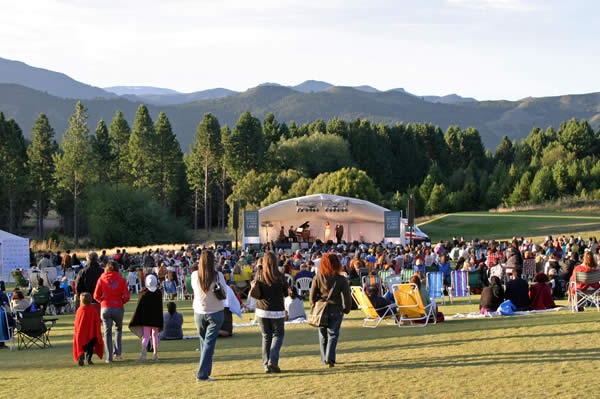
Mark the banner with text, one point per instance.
(392, 220)
(251, 224)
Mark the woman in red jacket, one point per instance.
(540, 293)
(589, 265)
(112, 293)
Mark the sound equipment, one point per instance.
(236, 214)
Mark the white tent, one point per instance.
(14, 254)
(362, 220)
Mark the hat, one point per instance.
(151, 283)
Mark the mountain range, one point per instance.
(25, 92)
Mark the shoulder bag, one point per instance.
(318, 317)
(219, 290)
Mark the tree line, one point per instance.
(120, 179)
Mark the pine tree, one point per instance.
(165, 160)
(119, 140)
(141, 147)
(244, 147)
(101, 149)
(205, 155)
(75, 166)
(14, 171)
(41, 167)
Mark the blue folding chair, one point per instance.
(435, 285)
(65, 286)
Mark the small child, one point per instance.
(147, 320)
(87, 337)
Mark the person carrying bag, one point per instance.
(329, 300)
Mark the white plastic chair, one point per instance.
(303, 284)
(133, 281)
(290, 280)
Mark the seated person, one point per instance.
(227, 327)
(304, 272)
(59, 297)
(419, 266)
(517, 290)
(588, 266)
(42, 290)
(294, 307)
(18, 302)
(416, 279)
(491, 296)
(540, 293)
(4, 301)
(380, 303)
(173, 322)
(444, 267)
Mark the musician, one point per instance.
(291, 234)
(281, 237)
(339, 232)
(327, 231)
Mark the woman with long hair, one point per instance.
(269, 288)
(588, 266)
(329, 280)
(208, 311)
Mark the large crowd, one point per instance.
(267, 281)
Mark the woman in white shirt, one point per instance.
(208, 311)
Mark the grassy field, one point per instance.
(508, 357)
(503, 226)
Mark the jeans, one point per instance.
(328, 337)
(110, 315)
(208, 326)
(272, 338)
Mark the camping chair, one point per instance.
(384, 276)
(32, 276)
(188, 286)
(49, 274)
(579, 298)
(372, 315)
(411, 308)
(393, 280)
(180, 287)
(372, 280)
(32, 330)
(240, 280)
(529, 268)
(435, 285)
(459, 286)
(6, 332)
(406, 275)
(41, 300)
(58, 300)
(133, 282)
(475, 281)
(303, 284)
(19, 279)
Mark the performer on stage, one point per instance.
(327, 231)
(339, 232)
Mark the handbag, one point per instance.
(219, 291)
(318, 317)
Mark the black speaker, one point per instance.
(411, 210)
(236, 214)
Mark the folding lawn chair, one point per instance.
(384, 276)
(459, 286)
(303, 284)
(474, 280)
(580, 298)
(435, 285)
(410, 306)
(528, 268)
(372, 280)
(6, 332)
(133, 282)
(372, 315)
(393, 280)
(188, 286)
(41, 300)
(406, 275)
(58, 300)
(19, 279)
(32, 330)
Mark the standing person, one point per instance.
(339, 232)
(88, 277)
(329, 279)
(87, 338)
(67, 261)
(208, 311)
(269, 288)
(112, 293)
(147, 320)
(327, 232)
(514, 260)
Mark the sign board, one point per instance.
(251, 224)
(392, 222)
(14, 254)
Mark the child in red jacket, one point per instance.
(87, 337)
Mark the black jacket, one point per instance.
(271, 296)
(87, 278)
(517, 291)
(149, 310)
(491, 297)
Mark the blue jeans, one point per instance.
(328, 337)
(272, 338)
(208, 326)
(110, 316)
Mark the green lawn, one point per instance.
(511, 357)
(530, 224)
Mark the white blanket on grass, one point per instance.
(476, 315)
(295, 321)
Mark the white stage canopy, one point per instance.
(362, 220)
(14, 254)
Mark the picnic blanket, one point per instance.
(477, 315)
(295, 321)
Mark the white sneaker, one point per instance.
(155, 357)
(143, 354)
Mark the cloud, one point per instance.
(511, 5)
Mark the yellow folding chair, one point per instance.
(372, 315)
(410, 306)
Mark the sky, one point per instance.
(487, 49)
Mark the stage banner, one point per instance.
(251, 224)
(392, 220)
